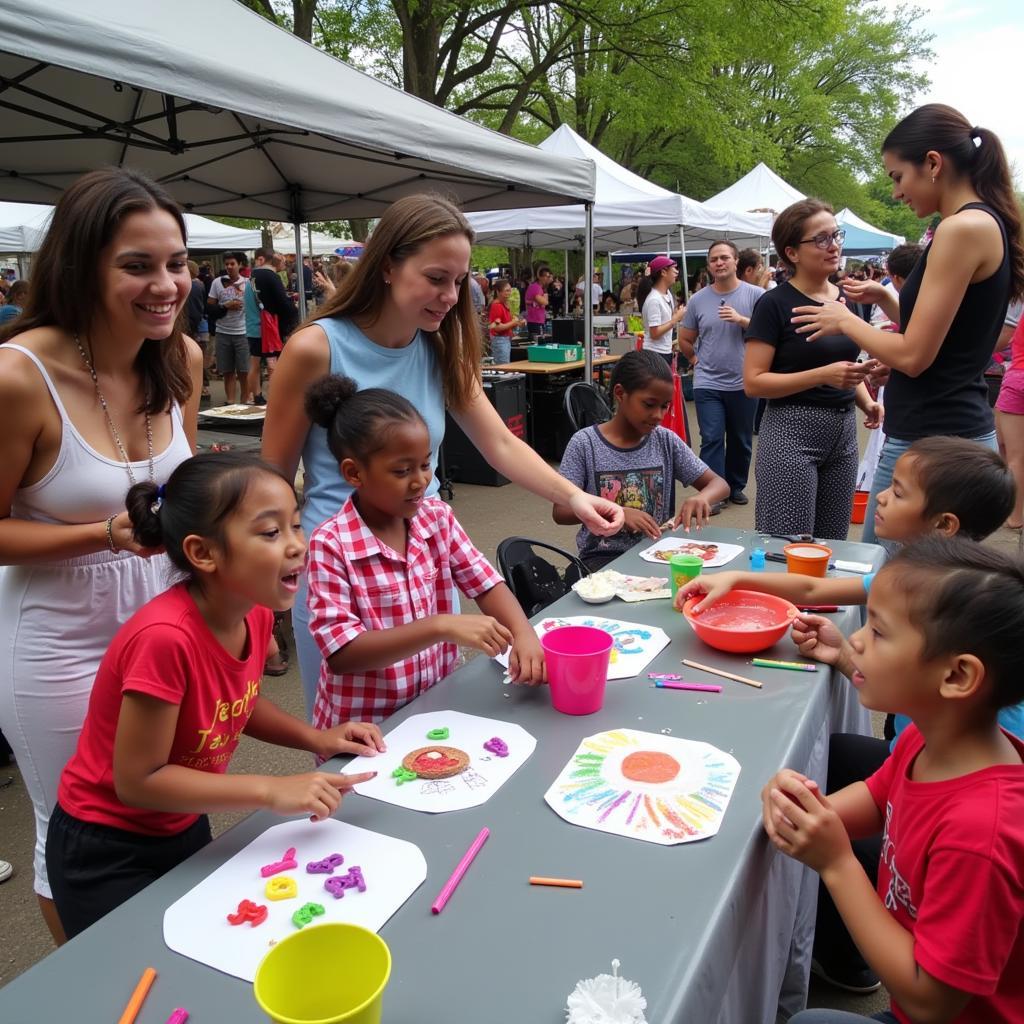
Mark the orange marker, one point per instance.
(564, 883)
(131, 1011)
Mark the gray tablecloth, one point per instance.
(712, 931)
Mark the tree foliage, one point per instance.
(688, 93)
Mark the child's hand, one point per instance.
(803, 824)
(317, 794)
(713, 587)
(818, 638)
(526, 662)
(768, 805)
(481, 632)
(636, 520)
(360, 738)
(697, 508)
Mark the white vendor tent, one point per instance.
(314, 243)
(862, 239)
(760, 190)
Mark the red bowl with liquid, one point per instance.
(742, 622)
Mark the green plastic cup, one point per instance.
(324, 974)
(682, 569)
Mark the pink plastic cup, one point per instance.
(577, 659)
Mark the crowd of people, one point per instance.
(140, 579)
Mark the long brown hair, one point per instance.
(789, 226)
(944, 129)
(407, 225)
(65, 286)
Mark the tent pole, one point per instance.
(588, 309)
(565, 286)
(611, 280)
(300, 277)
(682, 263)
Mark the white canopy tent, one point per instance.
(314, 243)
(23, 225)
(760, 190)
(144, 85)
(629, 213)
(862, 238)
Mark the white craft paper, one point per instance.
(197, 926)
(725, 553)
(593, 789)
(486, 773)
(635, 644)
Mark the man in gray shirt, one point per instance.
(711, 336)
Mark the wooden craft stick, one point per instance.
(720, 672)
(131, 1011)
(564, 883)
(461, 868)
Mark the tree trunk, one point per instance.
(302, 14)
(421, 40)
(360, 228)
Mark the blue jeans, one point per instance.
(501, 348)
(726, 420)
(891, 451)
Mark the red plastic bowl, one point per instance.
(742, 622)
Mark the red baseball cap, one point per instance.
(660, 262)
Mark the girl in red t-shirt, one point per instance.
(179, 686)
(501, 322)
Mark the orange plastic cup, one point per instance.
(860, 506)
(807, 559)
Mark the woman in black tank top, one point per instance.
(953, 304)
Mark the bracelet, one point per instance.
(110, 533)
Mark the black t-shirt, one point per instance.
(951, 396)
(770, 323)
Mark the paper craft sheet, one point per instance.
(635, 645)
(196, 925)
(648, 786)
(483, 777)
(723, 553)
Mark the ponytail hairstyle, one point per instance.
(65, 288)
(643, 289)
(977, 154)
(358, 423)
(637, 368)
(966, 598)
(405, 227)
(198, 499)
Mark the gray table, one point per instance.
(712, 931)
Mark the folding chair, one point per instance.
(533, 579)
(585, 405)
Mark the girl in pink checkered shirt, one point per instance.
(383, 572)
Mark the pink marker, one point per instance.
(179, 1016)
(463, 866)
(665, 684)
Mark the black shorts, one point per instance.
(94, 868)
(255, 347)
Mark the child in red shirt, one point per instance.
(179, 686)
(944, 932)
(501, 322)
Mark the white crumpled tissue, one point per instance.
(607, 999)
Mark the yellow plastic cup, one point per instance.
(324, 974)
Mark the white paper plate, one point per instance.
(723, 553)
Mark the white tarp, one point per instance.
(629, 212)
(237, 116)
(23, 225)
(760, 190)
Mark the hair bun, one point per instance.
(326, 396)
(143, 503)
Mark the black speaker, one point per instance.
(567, 331)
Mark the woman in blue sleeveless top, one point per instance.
(403, 319)
(953, 304)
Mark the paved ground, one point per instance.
(490, 515)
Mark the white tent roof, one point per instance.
(23, 225)
(283, 237)
(760, 189)
(181, 92)
(862, 237)
(629, 212)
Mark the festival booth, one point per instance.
(862, 239)
(760, 191)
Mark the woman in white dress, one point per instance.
(99, 388)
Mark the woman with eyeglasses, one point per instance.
(806, 464)
(954, 302)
